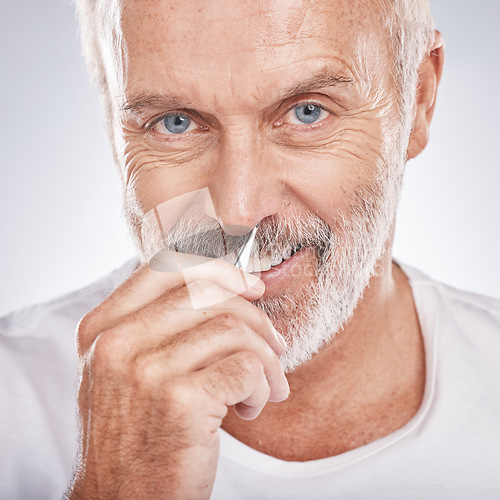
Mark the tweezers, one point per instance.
(243, 257)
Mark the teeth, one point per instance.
(251, 264)
(256, 264)
(277, 259)
(265, 264)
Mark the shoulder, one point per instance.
(39, 380)
(462, 320)
(47, 319)
(42, 337)
(457, 300)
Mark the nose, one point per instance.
(244, 186)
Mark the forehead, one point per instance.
(230, 50)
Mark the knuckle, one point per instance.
(105, 350)
(84, 325)
(265, 393)
(249, 363)
(171, 294)
(146, 372)
(227, 325)
(232, 376)
(178, 396)
(201, 290)
(141, 371)
(263, 318)
(229, 322)
(84, 330)
(216, 386)
(201, 286)
(249, 335)
(204, 293)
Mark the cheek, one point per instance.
(318, 177)
(324, 179)
(152, 178)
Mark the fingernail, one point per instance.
(253, 281)
(285, 391)
(287, 388)
(280, 338)
(280, 389)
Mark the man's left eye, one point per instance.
(174, 124)
(307, 114)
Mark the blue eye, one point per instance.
(308, 113)
(176, 124)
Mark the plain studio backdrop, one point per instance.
(61, 223)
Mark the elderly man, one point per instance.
(319, 369)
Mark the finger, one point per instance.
(211, 342)
(236, 379)
(146, 285)
(247, 412)
(171, 314)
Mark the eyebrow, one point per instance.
(148, 101)
(316, 82)
(145, 100)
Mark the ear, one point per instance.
(429, 76)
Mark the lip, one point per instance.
(290, 272)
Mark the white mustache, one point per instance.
(276, 235)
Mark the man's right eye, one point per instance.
(174, 124)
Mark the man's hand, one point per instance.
(157, 378)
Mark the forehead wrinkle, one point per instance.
(238, 75)
(293, 23)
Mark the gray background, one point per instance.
(61, 225)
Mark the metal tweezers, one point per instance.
(243, 257)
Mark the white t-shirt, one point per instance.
(449, 449)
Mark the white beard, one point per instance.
(315, 315)
(311, 317)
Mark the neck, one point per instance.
(365, 384)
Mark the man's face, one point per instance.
(285, 110)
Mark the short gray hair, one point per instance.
(408, 23)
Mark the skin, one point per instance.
(157, 379)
